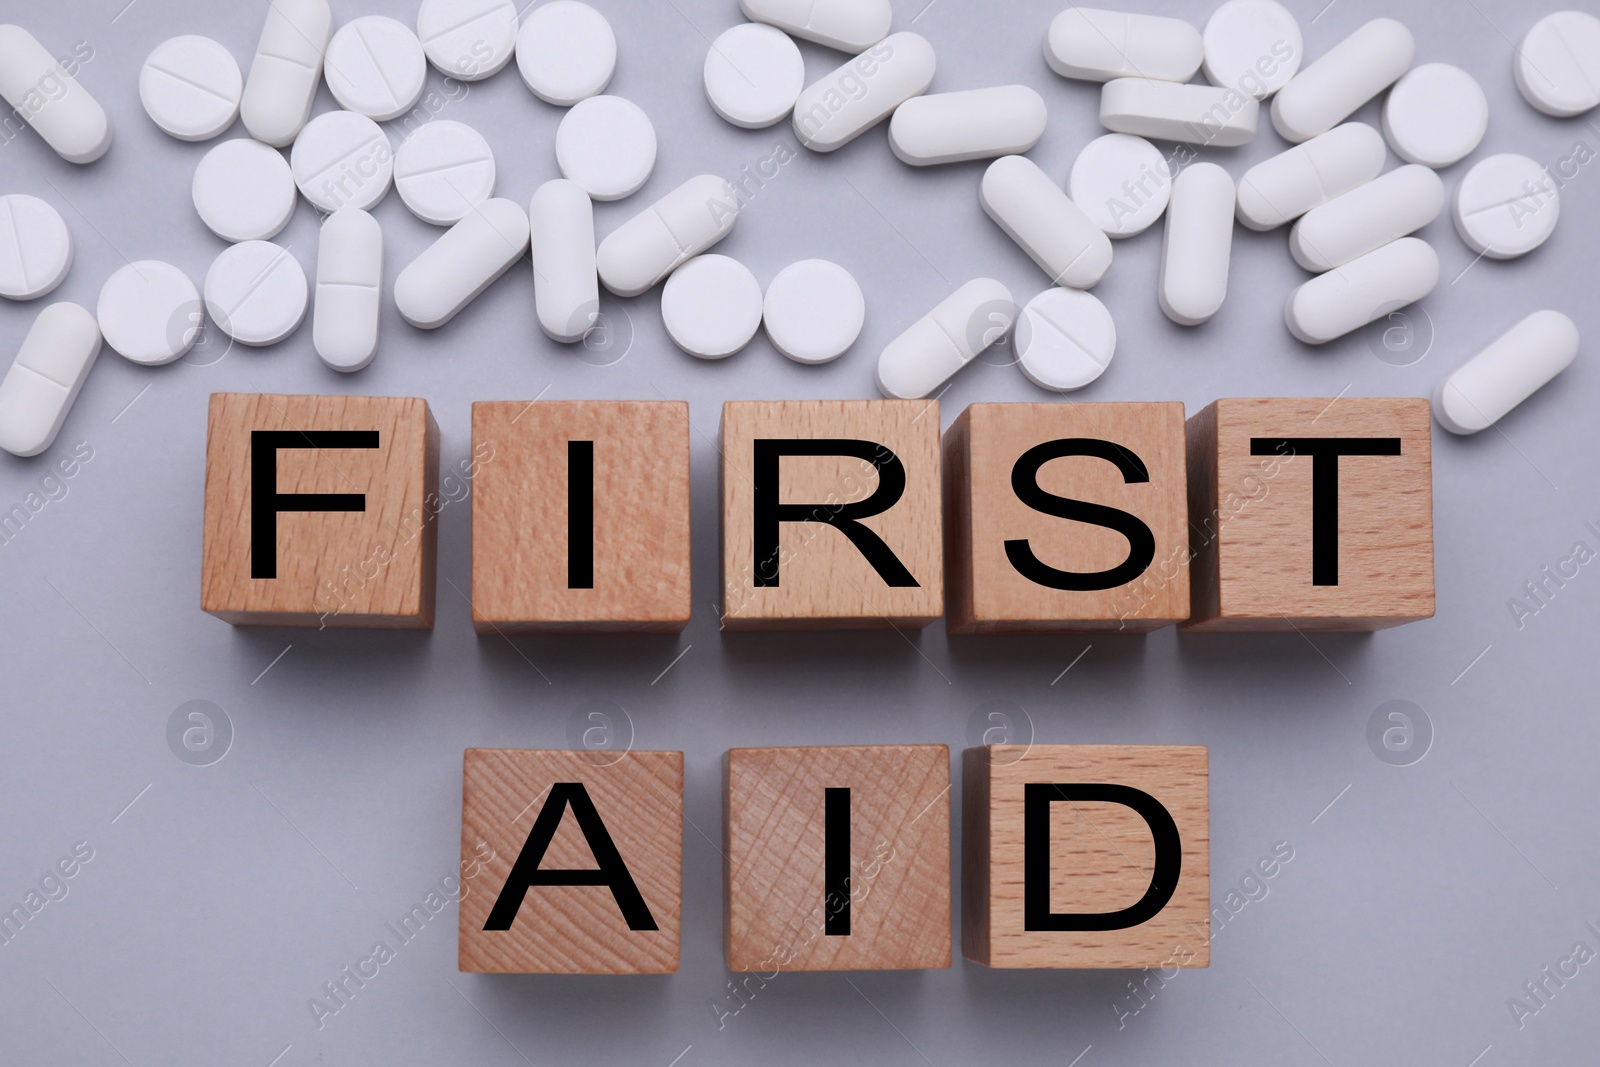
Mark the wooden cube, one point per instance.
(1086, 856)
(580, 517)
(571, 862)
(837, 859)
(1054, 558)
(831, 515)
(1311, 514)
(320, 511)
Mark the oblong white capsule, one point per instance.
(1367, 218)
(1004, 120)
(1352, 72)
(1096, 45)
(686, 222)
(1518, 364)
(344, 327)
(286, 70)
(45, 378)
(965, 323)
(566, 287)
(848, 25)
(465, 260)
(1045, 223)
(1168, 111)
(1281, 189)
(848, 102)
(50, 100)
(1198, 245)
(1362, 291)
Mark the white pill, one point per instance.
(1281, 189)
(244, 191)
(1352, 72)
(681, 225)
(753, 75)
(814, 311)
(286, 70)
(1517, 365)
(1096, 45)
(1198, 245)
(848, 102)
(461, 264)
(1005, 120)
(1254, 46)
(1122, 183)
(848, 25)
(1065, 339)
(608, 146)
(150, 312)
(1045, 223)
(1435, 115)
(256, 293)
(376, 67)
(1506, 206)
(190, 87)
(566, 52)
(1367, 218)
(468, 39)
(35, 247)
(1557, 66)
(344, 321)
(1362, 291)
(712, 307)
(1168, 111)
(50, 368)
(342, 159)
(443, 171)
(966, 323)
(50, 100)
(566, 287)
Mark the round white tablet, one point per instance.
(244, 191)
(1506, 206)
(1122, 183)
(608, 146)
(35, 247)
(468, 39)
(1436, 115)
(190, 87)
(1557, 66)
(342, 159)
(443, 171)
(712, 306)
(256, 293)
(375, 67)
(754, 74)
(1254, 46)
(814, 311)
(566, 52)
(1065, 339)
(150, 312)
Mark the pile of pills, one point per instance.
(1350, 222)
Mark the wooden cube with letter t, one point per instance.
(1311, 514)
(320, 511)
(1086, 856)
(831, 515)
(578, 859)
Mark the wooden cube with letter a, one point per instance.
(1086, 856)
(580, 517)
(1066, 517)
(320, 511)
(1311, 514)
(831, 515)
(837, 859)
(578, 860)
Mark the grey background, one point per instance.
(220, 898)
